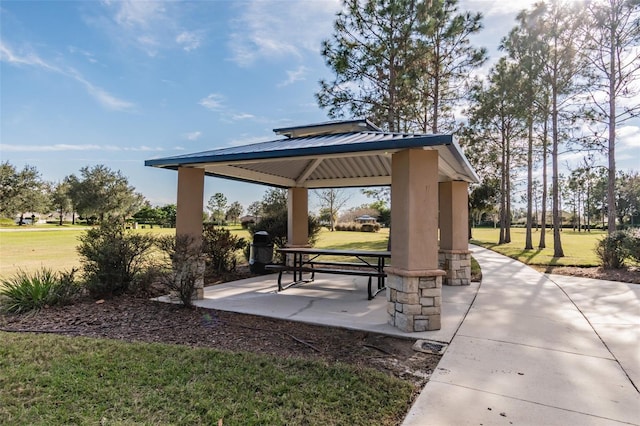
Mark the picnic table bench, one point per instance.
(307, 261)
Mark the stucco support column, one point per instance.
(454, 255)
(297, 219)
(414, 282)
(189, 221)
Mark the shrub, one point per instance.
(112, 258)
(277, 226)
(185, 265)
(633, 245)
(219, 248)
(612, 250)
(27, 292)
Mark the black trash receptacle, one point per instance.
(261, 252)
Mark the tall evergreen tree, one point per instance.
(401, 63)
(613, 37)
(556, 26)
(496, 128)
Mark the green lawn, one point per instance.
(56, 249)
(48, 379)
(578, 247)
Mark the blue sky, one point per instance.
(118, 82)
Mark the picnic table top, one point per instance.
(333, 252)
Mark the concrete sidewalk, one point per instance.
(538, 349)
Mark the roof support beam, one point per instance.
(307, 172)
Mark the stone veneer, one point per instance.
(414, 299)
(457, 265)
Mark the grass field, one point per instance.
(578, 247)
(49, 379)
(29, 250)
(56, 249)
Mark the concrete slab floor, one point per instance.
(332, 300)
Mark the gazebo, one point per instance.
(428, 174)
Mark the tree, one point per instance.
(217, 205)
(235, 211)
(495, 126)
(60, 199)
(445, 58)
(614, 56)
(169, 212)
(401, 63)
(557, 28)
(255, 209)
(331, 201)
(22, 191)
(274, 202)
(370, 54)
(522, 44)
(101, 193)
(628, 196)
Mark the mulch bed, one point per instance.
(138, 319)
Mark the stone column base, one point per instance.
(457, 265)
(414, 299)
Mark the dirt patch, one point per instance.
(133, 318)
(628, 275)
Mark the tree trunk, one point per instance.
(555, 193)
(543, 218)
(611, 185)
(528, 244)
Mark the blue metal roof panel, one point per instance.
(305, 146)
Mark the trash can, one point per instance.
(261, 252)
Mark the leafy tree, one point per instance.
(234, 211)
(217, 205)
(613, 36)
(627, 196)
(60, 199)
(149, 215)
(102, 193)
(274, 202)
(255, 209)
(331, 201)
(22, 191)
(169, 213)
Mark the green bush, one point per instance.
(633, 245)
(220, 247)
(185, 265)
(112, 258)
(27, 292)
(612, 250)
(277, 225)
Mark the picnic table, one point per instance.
(312, 260)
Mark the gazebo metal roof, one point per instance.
(350, 153)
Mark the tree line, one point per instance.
(565, 83)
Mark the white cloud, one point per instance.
(212, 102)
(73, 147)
(151, 26)
(295, 75)
(629, 137)
(496, 7)
(242, 116)
(103, 97)
(189, 40)
(267, 30)
(193, 136)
